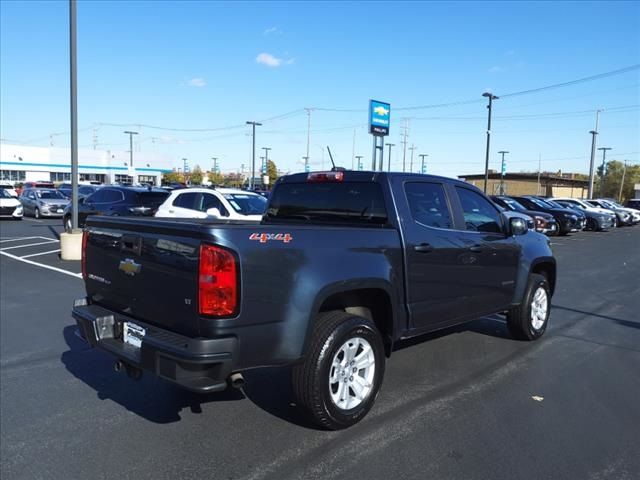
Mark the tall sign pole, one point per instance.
(491, 98)
(379, 123)
(593, 155)
(74, 114)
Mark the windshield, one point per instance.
(151, 198)
(4, 193)
(513, 204)
(49, 194)
(247, 203)
(542, 203)
(554, 204)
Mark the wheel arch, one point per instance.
(372, 301)
(547, 268)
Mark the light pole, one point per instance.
(253, 156)
(359, 158)
(306, 163)
(73, 91)
(423, 169)
(265, 166)
(389, 158)
(412, 148)
(491, 98)
(131, 134)
(604, 154)
(593, 155)
(502, 171)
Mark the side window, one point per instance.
(97, 197)
(428, 204)
(186, 200)
(211, 201)
(479, 214)
(112, 196)
(85, 190)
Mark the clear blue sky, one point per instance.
(194, 65)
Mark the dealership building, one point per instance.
(20, 163)
(545, 184)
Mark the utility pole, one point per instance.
(308, 129)
(593, 155)
(624, 171)
(389, 158)
(306, 164)
(405, 134)
(604, 154)
(359, 158)
(131, 134)
(95, 137)
(253, 156)
(423, 168)
(73, 94)
(491, 98)
(502, 171)
(412, 148)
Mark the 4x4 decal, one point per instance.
(265, 237)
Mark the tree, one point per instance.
(613, 177)
(172, 177)
(196, 176)
(272, 172)
(215, 178)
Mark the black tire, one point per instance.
(311, 379)
(36, 213)
(519, 319)
(592, 225)
(66, 223)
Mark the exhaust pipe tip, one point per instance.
(236, 380)
(118, 366)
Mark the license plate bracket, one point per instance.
(133, 334)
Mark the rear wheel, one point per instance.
(528, 321)
(36, 213)
(342, 372)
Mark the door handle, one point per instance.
(423, 248)
(476, 248)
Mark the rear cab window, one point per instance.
(151, 199)
(359, 203)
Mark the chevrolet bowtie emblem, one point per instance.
(129, 267)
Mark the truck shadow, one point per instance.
(151, 398)
(268, 388)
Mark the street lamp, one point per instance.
(491, 98)
(423, 168)
(131, 134)
(253, 157)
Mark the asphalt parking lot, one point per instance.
(465, 403)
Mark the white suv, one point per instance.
(226, 203)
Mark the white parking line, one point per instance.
(41, 253)
(32, 220)
(28, 245)
(18, 238)
(48, 267)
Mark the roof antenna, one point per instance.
(334, 169)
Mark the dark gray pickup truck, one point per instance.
(342, 265)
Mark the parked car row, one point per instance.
(560, 216)
(111, 200)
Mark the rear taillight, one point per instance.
(85, 236)
(217, 282)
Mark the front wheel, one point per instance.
(341, 375)
(528, 321)
(68, 225)
(36, 213)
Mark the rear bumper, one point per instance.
(198, 364)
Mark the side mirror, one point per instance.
(518, 226)
(214, 212)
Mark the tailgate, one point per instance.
(145, 269)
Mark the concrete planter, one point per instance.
(71, 245)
